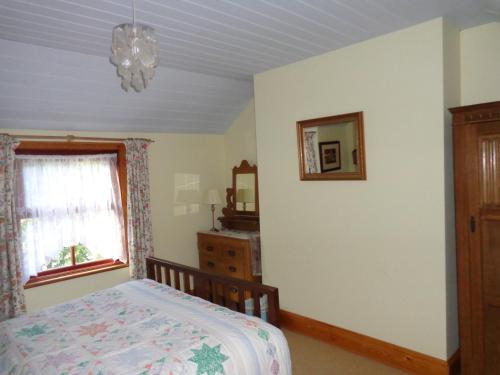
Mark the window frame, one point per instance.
(81, 148)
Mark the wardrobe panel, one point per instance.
(476, 137)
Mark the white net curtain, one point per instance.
(66, 200)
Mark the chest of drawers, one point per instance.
(231, 255)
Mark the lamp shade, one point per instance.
(135, 54)
(213, 197)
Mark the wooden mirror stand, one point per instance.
(234, 217)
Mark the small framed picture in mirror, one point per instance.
(332, 148)
(329, 156)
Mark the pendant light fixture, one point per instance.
(135, 53)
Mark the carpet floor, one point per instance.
(314, 357)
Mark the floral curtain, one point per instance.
(310, 151)
(140, 231)
(11, 286)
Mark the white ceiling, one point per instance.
(45, 88)
(209, 51)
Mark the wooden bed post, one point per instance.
(150, 270)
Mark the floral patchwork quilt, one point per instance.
(141, 327)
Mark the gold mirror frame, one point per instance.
(357, 119)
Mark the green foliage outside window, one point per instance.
(82, 254)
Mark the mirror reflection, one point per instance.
(332, 148)
(245, 192)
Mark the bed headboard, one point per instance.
(225, 291)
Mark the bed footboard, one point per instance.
(225, 291)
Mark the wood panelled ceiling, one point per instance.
(209, 51)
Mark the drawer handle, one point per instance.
(232, 268)
(210, 248)
(231, 253)
(233, 290)
(211, 264)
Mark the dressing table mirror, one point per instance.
(242, 211)
(332, 148)
(245, 193)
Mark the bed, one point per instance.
(158, 325)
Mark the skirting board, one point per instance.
(378, 350)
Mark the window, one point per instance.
(71, 200)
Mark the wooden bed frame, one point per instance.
(221, 290)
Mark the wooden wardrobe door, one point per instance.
(481, 163)
(476, 144)
(486, 253)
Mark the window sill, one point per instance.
(35, 281)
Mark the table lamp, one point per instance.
(213, 198)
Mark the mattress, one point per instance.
(141, 327)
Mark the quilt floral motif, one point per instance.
(141, 327)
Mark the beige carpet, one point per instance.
(314, 357)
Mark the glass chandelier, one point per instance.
(135, 53)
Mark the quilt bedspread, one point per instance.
(141, 327)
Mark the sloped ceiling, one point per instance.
(55, 71)
(45, 88)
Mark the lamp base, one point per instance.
(214, 229)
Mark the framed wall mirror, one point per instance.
(242, 210)
(245, 193)
(332, 148)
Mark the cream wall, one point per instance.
(51, 294)
(177, 162)
(480, 58)
(451, 90)
(240, 142)
(369, 256)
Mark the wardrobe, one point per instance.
(476, 139)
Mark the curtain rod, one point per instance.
(71, 138)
